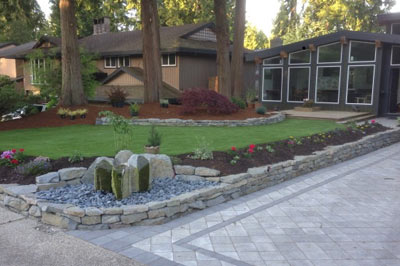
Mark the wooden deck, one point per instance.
(329, 115)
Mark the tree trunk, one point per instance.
(238, 49)
(72, 88)
(151, 51)
(223, 43)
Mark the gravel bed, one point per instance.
(85, 196)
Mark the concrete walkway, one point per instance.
(346, 214)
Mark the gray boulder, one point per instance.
(51, 177)
(71, 173)
(102, 174)
(122, 157)
(88, 177)
(204, 171)
(160, 165)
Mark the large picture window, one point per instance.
(362, 52)
(272, 84)
(360, 83)
(331, 53)
(301, 57)
(298, 84)
(273, 61)
(395, 59)
(327, 86)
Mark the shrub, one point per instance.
(10, 98)
(239, 102)
(308, 103)
(261, 110)
(12, 158)
(116, 95)
(203, 150)
(38, 166)
(154, 138)
(214, 102)
(76, 157)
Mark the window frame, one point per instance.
(288, 83)
(391, 27)
(109, 57)
(280, 64)
(372, 89)
(361, 62)
(123, 58)
(262, 85)
(296, 64)
(391, 55)
(326, 63)
(168, 65)
(34, 67)
(316, 84)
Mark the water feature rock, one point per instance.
(88, 177)
(122, 157)
(102, 174)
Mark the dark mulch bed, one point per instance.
(283, 151)
(9, 176)
(222, 160)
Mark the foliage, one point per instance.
(398, 120)
(319, 17)
(134, 108)
(235, 159)
(10, 98)
(122, 128)
(269, 148)
(50, 75)
(238, 102)
(76, 157)
(21, 21)
(52, 102)
(38, 166)
(308, 103)
(251, 96)
(214, 102)
(203, 150)
(62, 111)
(122, 18)
(81, 112)
(116, 95)
(154, 139)
(255, 38)
(12, 158)
(261, 110)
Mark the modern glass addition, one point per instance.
(301, 57)
(362, 52)
(273, 61)
(360, 82)
(272, 84)
(395, 59)
(331, 53)
(168, 60)
(298, 84)
(328, 84)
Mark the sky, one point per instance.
(260, 13)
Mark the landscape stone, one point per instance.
(74, 182)
(88, 220)
(16, 203)
(133, 218)
(35, 211)
(204, 171)
(192, 178)
(184, 170)
(112, 210)
(92, 211)
(88, 177)
(122, 157)
(231, 179)
(102, 174)
(160, 165)
(198, 204)
(20, 189)
(135, 209)
(71, 173)
(59, 221)
(75, 211)
(41, 187)
(51, 177)
(110, 219)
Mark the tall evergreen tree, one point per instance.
(287, 20)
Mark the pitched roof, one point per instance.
(325, 39)
(5, 44)
(389, 17)
(173, 39)
(18, 51)
(168, 91)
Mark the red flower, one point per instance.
(7, 156)
(14, 161)
(233, 148)
(373, 121)
(252, 146)
(21, 150)
(13, 150)
(250, 150)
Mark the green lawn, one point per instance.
(98, 140)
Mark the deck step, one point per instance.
(357, 119)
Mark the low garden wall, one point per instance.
(22, 198)
(275, 118)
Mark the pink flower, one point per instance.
(7, 156)
(250, 150)
(13, 150)
(252, 146)
(14, 161)
(233, 148)
(373, 121)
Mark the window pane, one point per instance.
(127, 63)
(329, 53)
(302, 57)
(328, 84)
(360, 84)
(298, 84)
(121, 61)
(165, 59)
(172, 59)
(396, 28)
(273, 61)
(361, 51)
(107, 60)
(396, 55)
(113, 62)
(272, 84)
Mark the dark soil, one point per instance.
(222, 160)
(8, 175)
(282, 150)
(50, 118)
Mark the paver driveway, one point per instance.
(348, 214)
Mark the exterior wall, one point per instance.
(196, 70)
(125, 80)
(134, 92)
(27, 78)
(342, 106)
(8, 67)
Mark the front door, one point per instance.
(394, 103)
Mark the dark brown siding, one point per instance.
(195, 71)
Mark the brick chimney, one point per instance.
(101, 25)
